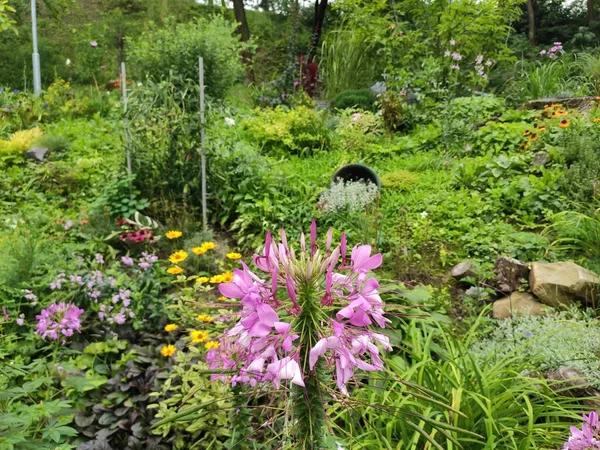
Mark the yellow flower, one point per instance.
(173, 234)
(1, 239)
(542, 128)
(233, 255)
(564, 123)
(596, 120)
(209, 245)
(202, 280)
(199, 250)
(198, 336)
(216, 279)
(168, 350)
(171, 327)
(204, 318)
(222, 298)
(227, 277)
(175, 270)
(178, 257)
(559, 113)
(533, 137)
(211, 344)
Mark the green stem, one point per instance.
(309, 402)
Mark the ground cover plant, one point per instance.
(399, 247)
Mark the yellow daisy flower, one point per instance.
(168, 350)
(178, 257)
(227, 277)
(222, 298)
(209, 245)
(233, 255)
(198, 336)
(171, 327)
(204, 318)
(175, 270)
(564, 123)
(211, 344)
(173, 234)
(216, 279)
(199, 250)
(202, 280)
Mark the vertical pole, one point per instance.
(202, 149)
(125, 121)
(37, 77)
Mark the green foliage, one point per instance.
(188, 388)
(119, 199)
(174, 51)
(577, 233)
(347, 66)
(358, 131)
(6, 22)
(545, 343)
(497, 137)
(281, 130)
(487, 398)
(401, 180)
(362, 99)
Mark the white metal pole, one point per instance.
(125, 121)
(37, 77)
(202, 149)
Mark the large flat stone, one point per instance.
(561, 283)
(517, 304)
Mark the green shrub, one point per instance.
(174, 50)
(358, 130)
(300, 130)
(545, 343)
(359, 98)
(401, 180)
(498, 406)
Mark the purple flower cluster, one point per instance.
(588, 438)
(261, 345)
(59, 320)
(115, 312)
(480, 66)
(554, 51)
(33, 299)
(146, 261)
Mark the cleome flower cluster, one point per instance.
(329, 289)
(586, 438)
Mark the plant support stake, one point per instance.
(202, 149)
(125, 120)
(37, 77)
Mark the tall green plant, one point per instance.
(588, 64)
(493, 399)
(346, 62)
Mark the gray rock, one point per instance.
(572, 382)
(560, 283)
(541, 158)
(517, 304)
(463, 269)
(509, 273)
(37, 153)
(379, 88)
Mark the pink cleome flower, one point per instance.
(59, 320)
(263, 345)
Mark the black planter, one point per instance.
(356, 172)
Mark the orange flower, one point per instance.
(598, 99)
(564, 123)
(533, 137)
(542, 128)
(597, 120)
(526, 133)
(559, 113)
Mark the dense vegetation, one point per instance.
(451, 150)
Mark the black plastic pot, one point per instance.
(356, 172)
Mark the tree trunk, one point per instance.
(590, 13)
(530, 14)
(320, 9)
(244, 31)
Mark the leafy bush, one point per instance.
(19, 143)
(545, 343)
(174, 51)
(487, 395)
(362, 99)
(359, 130)
(300, 130)
(401, 180)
